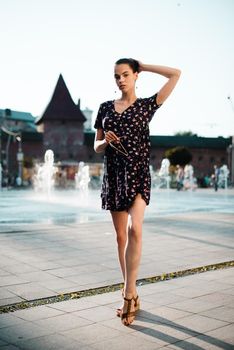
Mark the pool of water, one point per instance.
(27, 206)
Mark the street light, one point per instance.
(20, 155)
(0, 158)
(231, 147)
(0, 153)
(20, 158)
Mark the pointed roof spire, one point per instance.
(61, 105)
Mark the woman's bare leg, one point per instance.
(120, 221)
(134, 244)
(129, 239)
(133, 252)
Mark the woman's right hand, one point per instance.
(110, 136)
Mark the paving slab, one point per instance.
(41, 258)
(38, 261)
(90, 323)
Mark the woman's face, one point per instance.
(124, 77)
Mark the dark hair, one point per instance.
(133, 64)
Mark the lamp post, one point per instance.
(232, 160)
(1, 169)
(0, 157)
(231, 147)
(20, 158)
(20, 155)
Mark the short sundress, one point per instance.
(126, 174)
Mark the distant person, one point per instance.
(206, 181)
(216, 177)
(189, 180)
(179, 177)
(123, 133)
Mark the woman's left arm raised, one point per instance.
(172, 74)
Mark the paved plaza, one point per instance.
(54, 246)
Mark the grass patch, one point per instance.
(112, 288)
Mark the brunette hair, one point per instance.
(133, 64)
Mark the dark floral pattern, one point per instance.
(126, 175)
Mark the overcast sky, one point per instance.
(82, 40)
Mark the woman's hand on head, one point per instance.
(140, 66)
(110, 136)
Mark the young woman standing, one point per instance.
(123, 134)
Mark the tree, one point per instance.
(185, 133)
(178, 155)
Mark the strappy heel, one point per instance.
(137, 304)
(129, 313)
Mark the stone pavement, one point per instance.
(193, 312)
(40, 260)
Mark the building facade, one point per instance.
(67, 130)
(62, 125)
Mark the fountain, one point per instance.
(189, 179)
(223, 176)
(164, 173)
(44, 177)
(82, 178)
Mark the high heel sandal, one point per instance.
(137, 304)
(129, 313)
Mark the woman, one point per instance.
(123, 134)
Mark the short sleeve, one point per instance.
(151, 105)
(98, 121)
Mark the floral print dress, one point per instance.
(126, 172)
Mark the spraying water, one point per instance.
(82, 177)
(44, 178)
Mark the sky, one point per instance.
(39, 39)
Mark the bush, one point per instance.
(179, 155)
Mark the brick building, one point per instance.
(17, 133)
(66, 129)
(62, 125)
(206, 151)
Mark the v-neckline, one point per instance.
(125, 108)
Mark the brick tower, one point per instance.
(62, 125)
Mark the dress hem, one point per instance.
(129, 205)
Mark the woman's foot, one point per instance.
(136, 301)
(128, 311)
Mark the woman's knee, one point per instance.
(121, 238)
(135, 232)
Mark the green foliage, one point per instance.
(185, 133)
(178, 155)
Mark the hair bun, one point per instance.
(134, 64)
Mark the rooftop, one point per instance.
(61, 106)
(9, 114)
